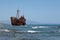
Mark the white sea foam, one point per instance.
(6, 30)
(32, 31)
(35, 27)
(39, 27)
(43, 27)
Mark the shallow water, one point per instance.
(30, 32)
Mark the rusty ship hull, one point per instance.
(15, 21)
(18, 20)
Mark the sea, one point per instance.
(30, 32)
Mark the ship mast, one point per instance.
(17, 15)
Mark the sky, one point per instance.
(42, 11)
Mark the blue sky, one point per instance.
(42, 11)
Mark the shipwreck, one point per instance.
(18, 20)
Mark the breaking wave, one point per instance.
(31, 31)
(39, 27)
